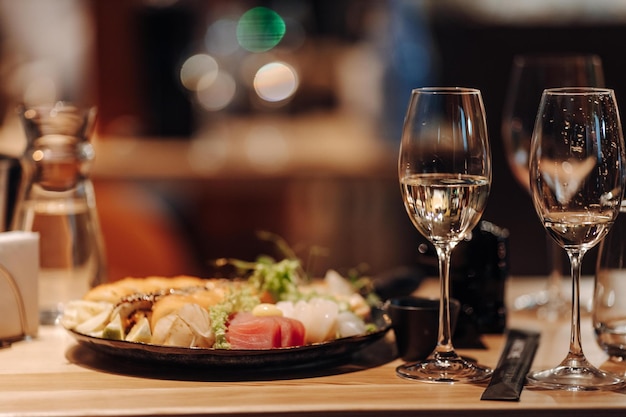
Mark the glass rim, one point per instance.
(446, 90)
(577, 91)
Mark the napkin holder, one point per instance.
(19, 268)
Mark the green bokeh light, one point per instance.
(260, 29)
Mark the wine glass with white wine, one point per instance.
(577, 182)
(444, 169)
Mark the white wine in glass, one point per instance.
(530, 75)
(577, 182)
(444, 169)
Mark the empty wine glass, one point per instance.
(576, 181)
(444, 169)
(530, 75)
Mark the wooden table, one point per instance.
(53, 376)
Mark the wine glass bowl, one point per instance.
(444, 170)
(530, 75)
(576, 181)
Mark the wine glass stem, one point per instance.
(555, 277)
(575, 347)
(444, 347)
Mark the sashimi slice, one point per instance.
(246, 331)
(318, 315)
(292, 331)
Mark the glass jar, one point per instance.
(609, 298)
(57, 200)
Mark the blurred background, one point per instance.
(218, 119)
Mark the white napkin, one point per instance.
(19, 256)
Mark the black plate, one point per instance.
(308, 355)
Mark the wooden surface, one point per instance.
(53, 376)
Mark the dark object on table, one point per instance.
(510, 374)
(10, 177)
(478, 274)
(398, 282)
(415, 322)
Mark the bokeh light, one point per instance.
(219, 93)
(198, 72)
(260, 29)
(276, 81)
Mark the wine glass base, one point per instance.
(547, 307)
(556, 308)
(456, 370)
(569, 378)
(541, 299)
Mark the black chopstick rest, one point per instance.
(509, 376)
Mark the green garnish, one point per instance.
(241, 300)
(279, 279)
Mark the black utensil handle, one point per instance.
(509, 376)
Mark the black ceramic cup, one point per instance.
(415, 322)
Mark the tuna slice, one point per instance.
(292, 331)
(246, 331)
